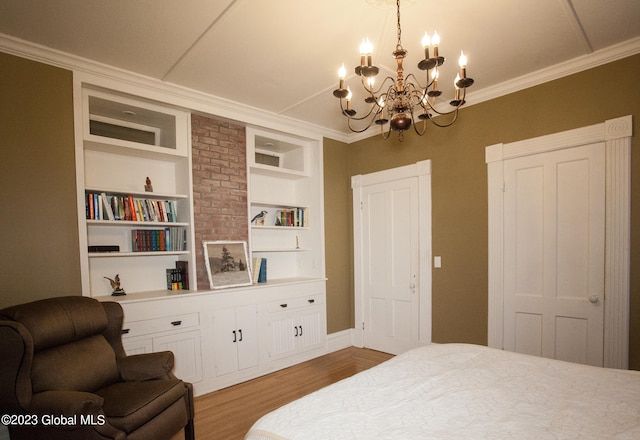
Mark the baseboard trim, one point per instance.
(339, 340)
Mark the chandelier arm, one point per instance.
(382, 132)
(415, 126)
(420, 86)
(448, 124)
(354, 118)
(371, 122)
(375, 92)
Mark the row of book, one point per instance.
(99, 206)
(259, 267)
(168, 239)
(293, 217)
(178, 278)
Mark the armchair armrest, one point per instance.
(140, 367)
(66, 403)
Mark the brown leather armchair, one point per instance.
(64, 374)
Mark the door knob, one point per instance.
(594, 299)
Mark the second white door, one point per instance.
(554, 254)
(390, 253)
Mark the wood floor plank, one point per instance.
(228, 414)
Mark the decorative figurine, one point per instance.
(259, 218)
(115, 285)
(148, 187)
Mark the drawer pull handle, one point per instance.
(124, 331)
(235, 337)
(240, 332)
(284, 306)
(176, 323)
(311, 301)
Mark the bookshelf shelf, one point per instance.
(137, 224)
(285, 204)
(124, 140)
(262, 250)
(281, 228)
(135, 254)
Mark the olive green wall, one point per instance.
(39, 236)
(459, 189)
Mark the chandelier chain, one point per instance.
(399, 45)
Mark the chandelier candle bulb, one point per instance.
(435, 41)
(462, 61)
(342, 73)
(426, 41)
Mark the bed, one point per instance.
(463, 391)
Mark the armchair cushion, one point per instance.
(146, 366)
(128, 405)
(94, 366)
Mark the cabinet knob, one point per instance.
(311, 301)
(124, 331)
(176, 323)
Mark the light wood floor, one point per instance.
(228, 414)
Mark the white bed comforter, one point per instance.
(461, 391)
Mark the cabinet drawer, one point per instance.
(295, 303)
(150, 326)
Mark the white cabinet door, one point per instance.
(247, 323)
(186, 351)
(282, 336)
(224, 341)
(296, 331)
(311, 329)
(235, 339)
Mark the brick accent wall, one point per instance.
(219, 185)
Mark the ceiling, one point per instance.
(282, 56)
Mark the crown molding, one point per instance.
(107, 76)
(209, 104)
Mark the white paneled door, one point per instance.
(554, 229)
(390, 262)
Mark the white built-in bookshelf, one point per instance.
(285, 189)
(126, 140)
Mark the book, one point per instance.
(183, 266)
(255, 269)
(107, 207)
(124, 207)
(174, 279)
(262, 275)
(152, 240)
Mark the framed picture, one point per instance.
(227, 264)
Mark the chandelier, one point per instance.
(402, 102)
